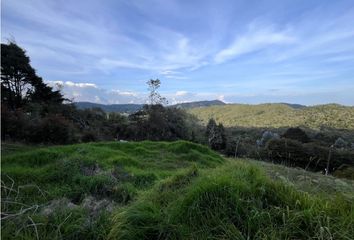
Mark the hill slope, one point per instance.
(159, 190)
(278, 115)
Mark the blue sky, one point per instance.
(237, 51)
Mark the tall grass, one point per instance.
(119, 172)
(158, 190)
(236, 201)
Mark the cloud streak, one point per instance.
(253, 40)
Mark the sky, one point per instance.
(295, 51)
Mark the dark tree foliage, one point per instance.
(19, 83)
(27, 101)
(309, 155)
(296, 134)
(156, 122)
(52, 129)
(215, 135)
(45, 94)
(17, 76)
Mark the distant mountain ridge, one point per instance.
(131, 108)
(199, 104)
(122, 108)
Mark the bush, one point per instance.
(266, 136)
(88, 137)
(340, 143)
(296, 134)
(14, 124)
(53, 129)
(295, 154)
(309, 156)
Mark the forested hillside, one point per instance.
(278, 115)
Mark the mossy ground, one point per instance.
(161, 190)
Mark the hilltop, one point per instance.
(197, 104)
(165, 190)
(278, 115)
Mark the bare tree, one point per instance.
(154, 95)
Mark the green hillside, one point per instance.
(160, 190)
(278, 115)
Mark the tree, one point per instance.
(45, 94)
(221, 131)
(154, 95)
(215, 135)
(17, 75)
(19, 83)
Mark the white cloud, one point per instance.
(181, 93)
(80, 85)
(88, 92)
(255, 39)
(125, 93)
(221, 98)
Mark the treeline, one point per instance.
(34, 112)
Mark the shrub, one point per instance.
(295, 154)
(14, 124)
(296, 134)
(88, 137)
(340, 143)
(266, 136)
(309, 156)
(53, 129)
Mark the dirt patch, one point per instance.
(58, 204)
(89, 203)
(91, 170)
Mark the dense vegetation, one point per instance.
(33, 112)
(158, 190)
(278, 115)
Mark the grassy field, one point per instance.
(278, 115)
(160, 190)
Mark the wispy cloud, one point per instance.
(257, 38)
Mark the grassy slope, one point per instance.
(278, 115)
(164, 190)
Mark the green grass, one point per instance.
(119, 172)
(161, 190)
(278, 115)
